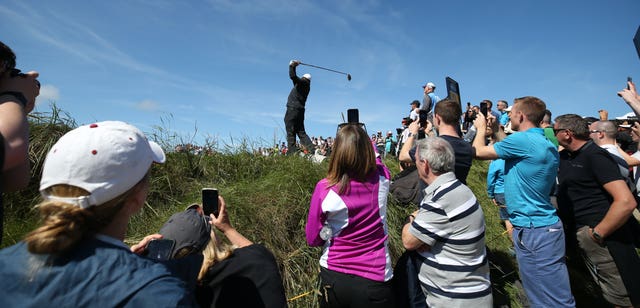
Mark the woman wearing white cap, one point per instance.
(94, 179)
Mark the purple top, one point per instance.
(358, 220)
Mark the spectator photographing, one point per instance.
(347, 216)
(94, 179)
(18, 93)
(531, 166)
(447, 231)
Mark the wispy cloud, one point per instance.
(48, 93)
(148, 105)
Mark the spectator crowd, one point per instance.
(563, 186)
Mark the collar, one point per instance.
(442, 179)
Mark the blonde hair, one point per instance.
(214, 252)
(352, 157)
(64, 225)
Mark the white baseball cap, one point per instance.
(307, 76)
(105, 158)
(429, 85)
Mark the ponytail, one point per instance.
(64, 225)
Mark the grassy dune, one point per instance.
(267, 197)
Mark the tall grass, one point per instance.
(267, 198)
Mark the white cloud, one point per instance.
(48, 93)
(147, 105)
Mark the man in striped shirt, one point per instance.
(448, 233)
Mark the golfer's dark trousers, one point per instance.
(294, 123)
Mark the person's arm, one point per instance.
(409, 142)
(631, 161)
(620, 210)
(223, 224)
(315, 218)
(482, 151)
(409, 241)
(630, 96)
(292, 71)
(14, 127)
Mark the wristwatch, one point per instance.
(409, 135)
(597, 236)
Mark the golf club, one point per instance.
(328, 69)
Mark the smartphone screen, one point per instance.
(210, 201)
(483, 109)
(160, 249)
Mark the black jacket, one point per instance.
(298, 95)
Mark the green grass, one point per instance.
(267, 197)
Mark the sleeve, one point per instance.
(293, 75)
(492, 174)
(430, 227)
(512, 147)
(426, 103)
(316, 217)
(605, 168)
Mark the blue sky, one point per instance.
(217, 70)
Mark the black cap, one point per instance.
(187, 229)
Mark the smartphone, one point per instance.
(210, 201)
(483, 109)
(353, 116)
(161, 249)
(629, 80)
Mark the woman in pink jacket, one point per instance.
(347, 216)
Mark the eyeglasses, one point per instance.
(557, 130)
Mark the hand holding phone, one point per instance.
(210, 201)
(483, 109)
(160, 249)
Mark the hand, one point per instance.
(604, 115)
(221, 222)
(480, 122)
(414, 127)
(25, 84)
(142, 245)
(630, 95)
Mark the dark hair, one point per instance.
(575, 123)
(449, 111)
(7, 58)
(416, 102)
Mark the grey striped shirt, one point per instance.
(455, 272)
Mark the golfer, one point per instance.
(294, 118)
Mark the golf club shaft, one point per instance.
(324, 68)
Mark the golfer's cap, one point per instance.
(188, 229)
(106, 159)
(507, 109)
(429, 85)
(307, 76)
(389, 133)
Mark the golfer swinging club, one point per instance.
(294, 118)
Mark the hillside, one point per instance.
(268, 199)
